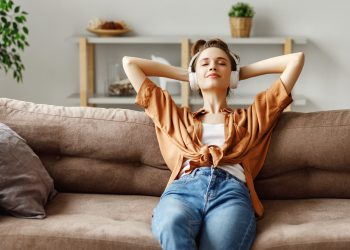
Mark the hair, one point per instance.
(201, 45)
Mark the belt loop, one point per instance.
(194, 171)
(227, 176)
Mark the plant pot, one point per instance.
(240, 26)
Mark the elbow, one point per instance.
(299, 56)
(126, 60)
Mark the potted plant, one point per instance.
(241, 15)
(13, 34)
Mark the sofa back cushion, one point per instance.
(100, 150)
(95, 150)
(309, 157)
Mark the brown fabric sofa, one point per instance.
(109, 172)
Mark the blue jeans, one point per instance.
(207, 209)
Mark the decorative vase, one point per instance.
(240, 26)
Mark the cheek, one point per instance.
(200, 73)
(227, 75)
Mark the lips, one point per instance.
(213, 75)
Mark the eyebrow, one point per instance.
(218, 58)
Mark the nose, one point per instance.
(212, 66)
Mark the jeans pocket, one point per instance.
(174, 185)
(178, 185)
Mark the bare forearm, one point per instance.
(274, 65)
(152, 68)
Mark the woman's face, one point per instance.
(213, 69)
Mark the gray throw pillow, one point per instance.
(25, 185)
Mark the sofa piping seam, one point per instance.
(320, 126)
(76, 117)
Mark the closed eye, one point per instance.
(205, 64)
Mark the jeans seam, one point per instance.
(193, 224)
(248, 230)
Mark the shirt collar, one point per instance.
(203, 111)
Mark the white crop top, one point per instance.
(214, 134)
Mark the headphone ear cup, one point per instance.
(234, 79)
(193, 80)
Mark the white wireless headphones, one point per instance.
(192, 76)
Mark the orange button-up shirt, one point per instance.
(247, 132)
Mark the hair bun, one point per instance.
(197, 46)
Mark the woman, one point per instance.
(216, 152)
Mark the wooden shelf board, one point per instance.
(192, 39)
(235, 100)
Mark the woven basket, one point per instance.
(240, 26)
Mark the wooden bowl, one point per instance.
(108, 32)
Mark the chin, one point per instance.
(213, 85)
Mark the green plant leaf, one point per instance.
(19, 19)
(15, 27)
(12, 38)
(10, 4)
(4, 19)
(7, 25)
(241, 9)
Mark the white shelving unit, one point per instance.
(87, 44)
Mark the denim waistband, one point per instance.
(219, 172)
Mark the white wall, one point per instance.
(52, 60)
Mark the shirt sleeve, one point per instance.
(267, 107)
(160, 107)
(143, 97)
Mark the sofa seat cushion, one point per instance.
(99, 221)
(321, 224)
(85, 221)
